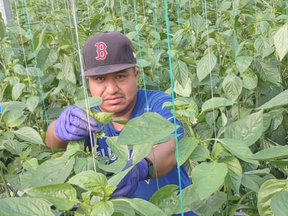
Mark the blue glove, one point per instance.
(129, 184)
(72, 124)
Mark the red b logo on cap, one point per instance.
(101, 50)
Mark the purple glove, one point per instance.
(72, 124)
(129, 184)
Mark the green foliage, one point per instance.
(230, 82)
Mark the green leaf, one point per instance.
(270, 73)
(215, 103)
(141, 151)
(234, 175)
(143, 63)
(93, 101)
(83, 164)
(20, 182)
(2, 165)
(102, 117)
(183, 91)
(239, 149)
(144, 207)
(277, 101)
(209, 206)
(42, 37)
(281, 42)
(103, 208)
(24, 206)
(120, 151)
(250, 79)
(225, 6)
(264, 46)
(53, 171)
(14, 118)
(63, 196)
(148, 128)
(29, 134)
(243, 62)
(31, 165)
(277, 152)
(90, 181)
(248, 129)
(180, 72)
(115, 179)
(17, 90)
(205, 66)
(279, 203)
(198, 23)
(232, 86)
(266, 192)
(200, 153)
(29, 71)
(67, 72)
(32, 103)
(185, 148)
(115, 167)
(2, 28)
(166, 199)
(214, 173)
(122, 207)
(14, 147)
(189, 195)
(46, 58)
(253, 182)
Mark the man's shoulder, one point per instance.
(151, 94)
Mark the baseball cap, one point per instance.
(108, 52)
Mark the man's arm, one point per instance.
(163, 158)
(52, 140)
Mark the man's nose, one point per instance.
(111, 87)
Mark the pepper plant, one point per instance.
(229, 65)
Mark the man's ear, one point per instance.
(136, 72)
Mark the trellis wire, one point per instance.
(83, 83)
(209, 67)
(174, 109)
(156, 40)
(140, 54)
(144, 83)
(36, 64)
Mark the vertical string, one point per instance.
(144, 83)
(178, 11)
(92, 138)
(123, 17)
(53, 9)
(21, 38)
(287, 21)
(174, 109)
(140, 54)
(234, 32)
(209, 66)
(203, 9)
(36, 64)
(157, 42)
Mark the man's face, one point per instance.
(118, 91)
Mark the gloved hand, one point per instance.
(129, 184)
(72, 124)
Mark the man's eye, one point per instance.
(120, 76)
(98, 78)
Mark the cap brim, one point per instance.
(106, 69)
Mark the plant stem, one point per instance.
(5, 183)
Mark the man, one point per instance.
(110, 67)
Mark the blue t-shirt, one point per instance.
(155, 99)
